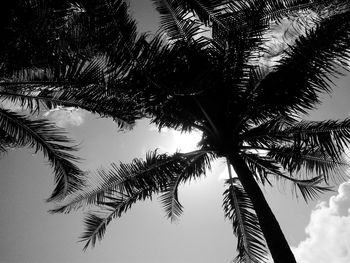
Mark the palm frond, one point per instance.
(176, 22)
(155, 172)
(204, 9)
(330, 137)
(6, 142)
(95, 228)
(195, 166)
(260, 134)
(310, 189)
(117, 33)
(47, 138)
(298, 163)
(308, 146)
(308, 64)
(137, 181)
(302, 163)
(276, 10)
(261, 166)
(112, 207)
(241, 44)
(49, 82)
(239, 209)
(87, 84)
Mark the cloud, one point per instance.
(328, 231)
(66, 116)
(62, 116)
(281, 35)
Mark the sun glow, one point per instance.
(186, 142)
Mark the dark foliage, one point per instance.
(189, 79)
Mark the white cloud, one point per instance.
(66, 116)
(328, 231)
(62, 116)
(280, 36)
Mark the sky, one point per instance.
(318, 231)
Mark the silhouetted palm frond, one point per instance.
(310, 189)
(6, 142)
(155, 172)
(87, 84)
(307, 161)
(47, 138)
(113, 207)
(239, 209)
(118, 189)
(176, 22)
(303, 146)
(95, 228)
(206, 10)
(309, 62)
(273, 10)
(196, 165)
(329, 137)
(261, 166)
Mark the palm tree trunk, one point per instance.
(276, 242)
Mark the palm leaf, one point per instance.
(329, 137)
(113, 207)
(194, 167)
(296, 160)
(239, 209)
(155, 172)
(262, 133)
(307, 65)
(87, 84)
(95, 228)
(204, 9)
(176, 22)
(275, 10)
(6, 142)
(115, 24)
(310, 189)
(315, 146)
(137, 181)
(47, 138)
(261, 166)
(50, 82)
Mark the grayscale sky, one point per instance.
(318, 231)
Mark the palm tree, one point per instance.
(247, 113)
